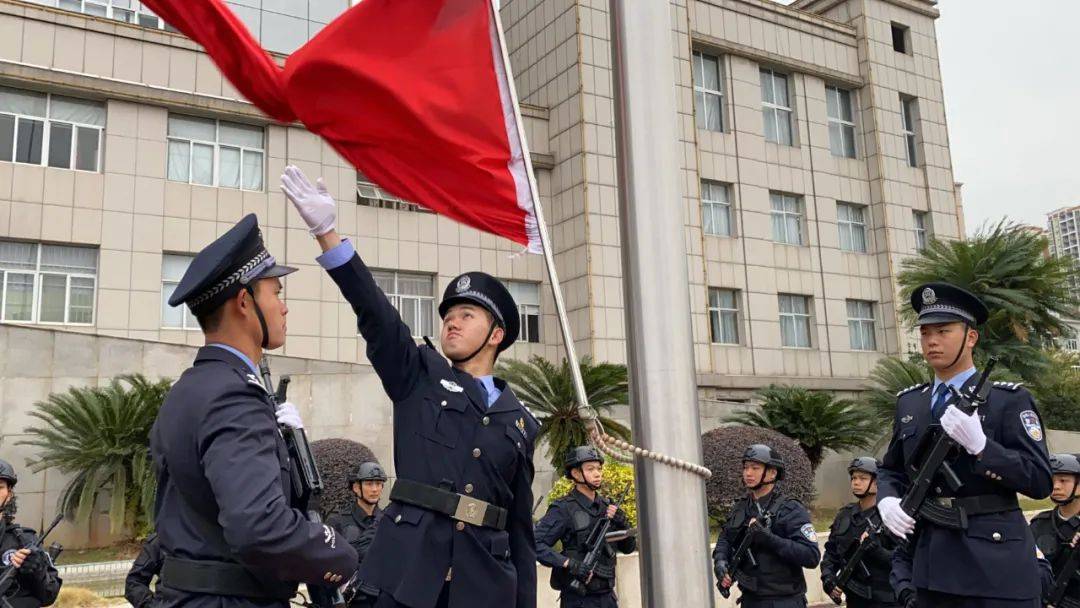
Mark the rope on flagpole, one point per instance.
(617, 449)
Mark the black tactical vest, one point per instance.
(849, 526)
(772, 577)
(1052, 536)
(581, 523)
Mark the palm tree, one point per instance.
(548, 390)
(1028, 292)
(815, 419)
(101, 436)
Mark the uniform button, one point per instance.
(443, 404)
(938, 490)
(397, 520)
(476, 453)
(460, 526)
(486, 420)
(996, 536)
(468, 488)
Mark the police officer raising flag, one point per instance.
(858, 525)
(1056, 530)
(572, 519)
(778, 536)
(228, 517)
(972, 546)
(458, 531)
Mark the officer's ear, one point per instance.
(497, 336)
(972, 337)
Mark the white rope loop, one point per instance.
(617, 449)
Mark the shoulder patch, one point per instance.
(911, 388)
(1032, 425)
(808, 532)
(1009, 386)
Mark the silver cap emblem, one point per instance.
(463, 284)
(928, 296)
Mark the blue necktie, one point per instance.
(484, 393)
(940, 395)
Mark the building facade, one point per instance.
(1064, 237)
(816, 158)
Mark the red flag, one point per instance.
(415, 94)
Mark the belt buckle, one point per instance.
(470, 510)
(945, 501)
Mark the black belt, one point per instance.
(453, 505)
(949, 512)
(221, 578)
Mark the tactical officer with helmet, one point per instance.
(228, 515)
(783, 540)
(857, 523)
(358, 525)
(571, 519)
(972, 546)
(458, 531)
(36, 581)
(1055, 530)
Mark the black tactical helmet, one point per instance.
(866, 464)
(579, 456)
(1064, 463)
(7, 473)
(368, 471)
(759, 452)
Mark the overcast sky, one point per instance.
(1012, 98)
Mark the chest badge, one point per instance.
(451, 386)
(907, 419)
(520, 424)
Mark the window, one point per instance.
(370, 195)
(42, 129)
(48, 283)
(708, 92)
(851, 220)
(786, 219)
(527, 297)
(775, 107)
(128, 11)
(901, 38)
(173, 268)
(841, 122)
(715, 209)
(794, 321)
(215, 153)
(413, 296)
(923, 229)
(909, 112)
(723, 316)
(860, 315)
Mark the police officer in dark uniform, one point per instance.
(228, 515)
(36, 581)
(359, 524)
(972, 546)
(784, 541)
(1056, 530)
(137, 585)
(458, 531)
(856, 523)
(571, 519)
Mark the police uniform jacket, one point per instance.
(445, 434)
(789, 545)
(225, 491)
(844, 535)
(33, 586)
(991, 557)
(147, 565)
(570, 519)
(1052, 537)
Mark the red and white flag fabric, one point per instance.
(415, 94)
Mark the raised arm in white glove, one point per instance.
(288, 415)
(895, 519)
(965, 429)
(313, 201)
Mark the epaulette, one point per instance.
(535, 420)
(911, 388)
(1009, 386)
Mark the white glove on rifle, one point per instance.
(288, 415)
(895, 519)
(313, 201)
(964, 429)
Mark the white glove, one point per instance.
(314, 202)
(896, 520)
(288, 415)
(965, 429)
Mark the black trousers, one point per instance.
(793, 601)
(854, 601)
(569, 599)
(387, 601)
(936, 599)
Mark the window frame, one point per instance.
(771, 106)
(905, 37)
(46, 134)
(852, 225)
(187, 317)
(37, 288)
(137, 11)
(702, 122)
(719, 312)
(396, 297)
(526, 309)
(796, 318)
(370, 194)
(844, 126)
(862, 328)
(784, 214)
(924, 228)
(216, 158)
(711, 206)
(908, 112)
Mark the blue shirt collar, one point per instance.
(243, 357)
(956, 381)
(493, 392)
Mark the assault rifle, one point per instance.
(8, 576)
(843, 579)
(742, 554)
(311, 484)
(1064, 574)
(597, 544)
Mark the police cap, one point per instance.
(235, 260)
(761, 453)
(575, 457)
(489, 293)
(947, 303)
